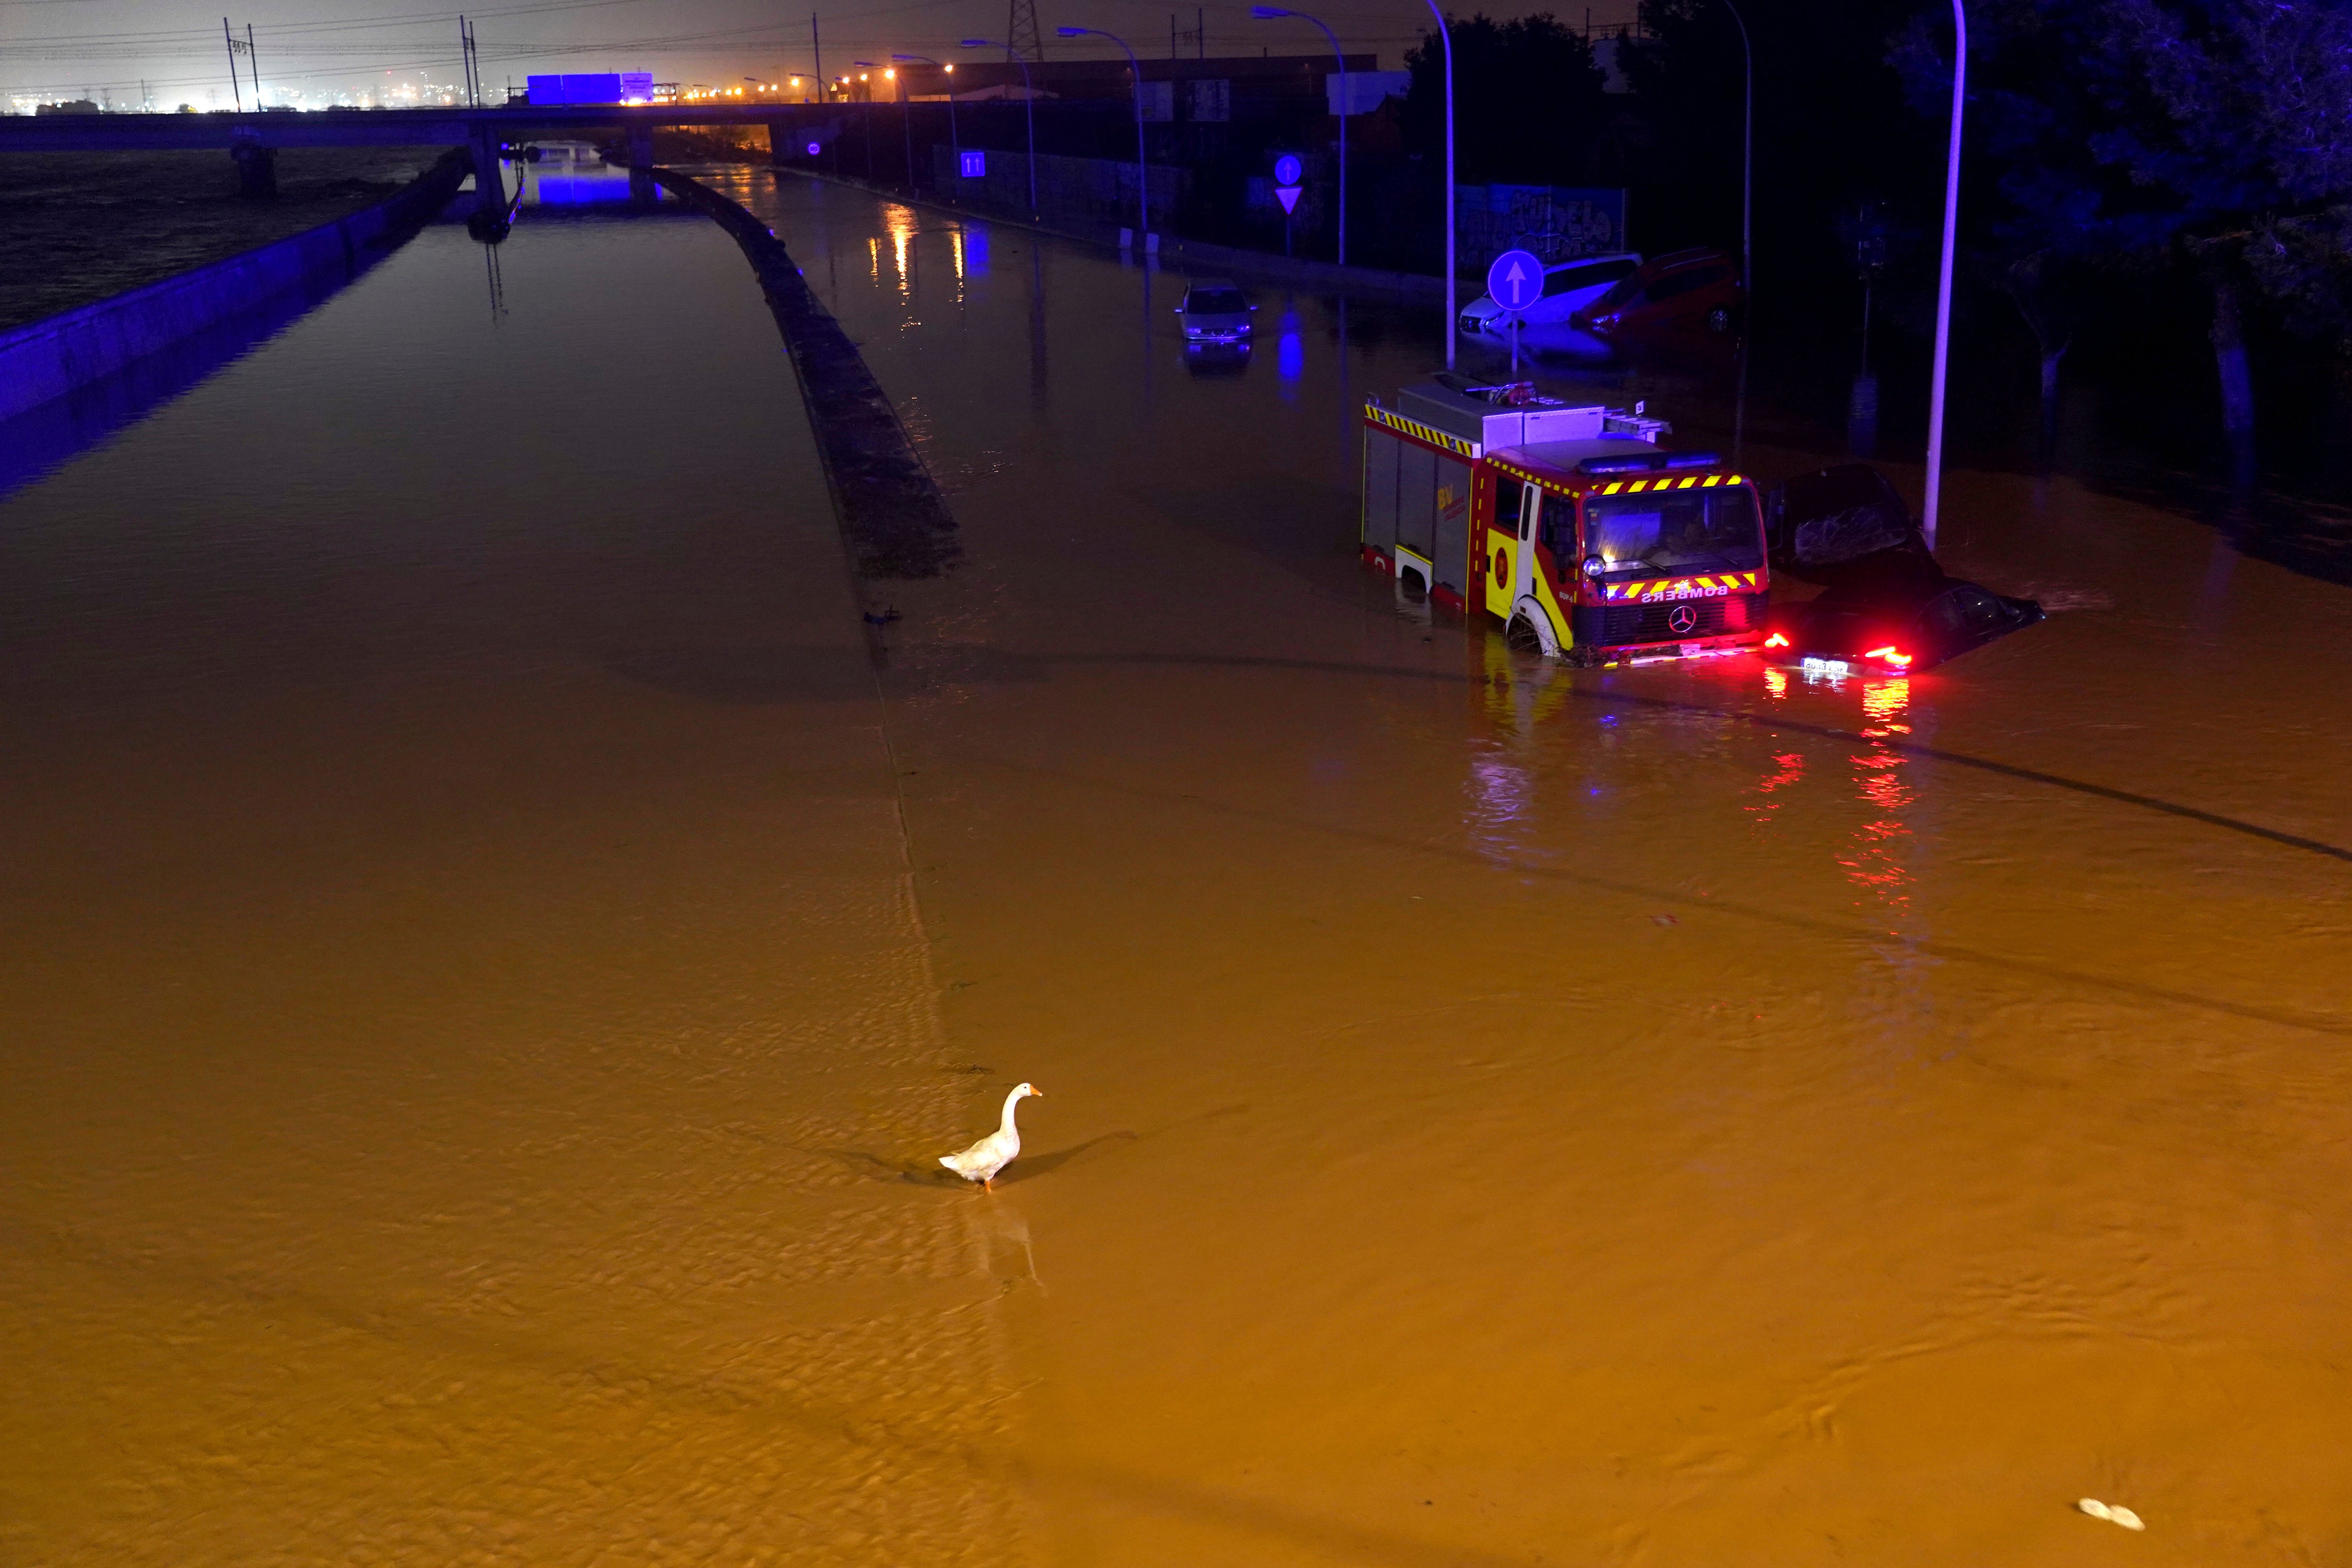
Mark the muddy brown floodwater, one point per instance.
(491, 965)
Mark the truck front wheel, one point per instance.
(1530, 631)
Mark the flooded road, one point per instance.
(492, 962)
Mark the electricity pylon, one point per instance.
(1023, 41)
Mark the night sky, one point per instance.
(108, 49)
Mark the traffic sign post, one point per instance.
(1514, 282)
(1288, 175)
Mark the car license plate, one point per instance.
(1824, 667)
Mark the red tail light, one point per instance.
(1776, 640)
(1892, 655)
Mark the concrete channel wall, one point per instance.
(890, 510)
(48, 359)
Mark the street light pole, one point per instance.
(1445, 36)
(1029, 101)
(1943, 276)
(1746, 160)
(955, 143)
(1270, 13)
(905, 123)
(1142, 175)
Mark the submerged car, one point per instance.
(1889, 608)
(1818, 525)
(1567, 288)
(1894, 623)
(1675, 292)
(1215, 312)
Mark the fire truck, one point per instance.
(1573, 526)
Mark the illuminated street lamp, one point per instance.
(954, 141)
(1029, 101)
(868, 75)
(1142, 177)
(905, 124)
(1273, 13)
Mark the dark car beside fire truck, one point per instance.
(1572, 525)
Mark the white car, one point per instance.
(1568, 285)
(1215, 310)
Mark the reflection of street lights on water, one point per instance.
(1273, 13)
(954, 141)
(1029, 102)
(1142, 175)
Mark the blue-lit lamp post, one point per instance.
(906, 119)
(1142, 175)
(1275, 12)
(954, 141)
(1943, 276)
(1029, 101)
(1747, 159)
(1453, 325)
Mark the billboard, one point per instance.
(591, 88)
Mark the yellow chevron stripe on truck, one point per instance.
(1420, 432)
(1665, 588)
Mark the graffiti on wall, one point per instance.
(1557, 223)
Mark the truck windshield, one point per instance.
(1674, 530)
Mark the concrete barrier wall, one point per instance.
(1069, 190)
(892, 515)
(46, 359)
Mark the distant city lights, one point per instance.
(392, 93)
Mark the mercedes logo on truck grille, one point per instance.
(1681, 620)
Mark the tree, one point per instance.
(1830, 133)
(1527, 101)
(2037, 230)
(2208, 132)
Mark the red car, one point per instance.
(1680, 291)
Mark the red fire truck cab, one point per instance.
(1572, 526)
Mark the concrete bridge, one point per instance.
(253, 138)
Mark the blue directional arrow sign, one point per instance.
(1288, 171)
(1516, 280)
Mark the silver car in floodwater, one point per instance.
(1567, 286)
(1215, 310)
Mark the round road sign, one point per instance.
(1287, 169)
(1516, 280)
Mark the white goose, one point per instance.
(993, 1153)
